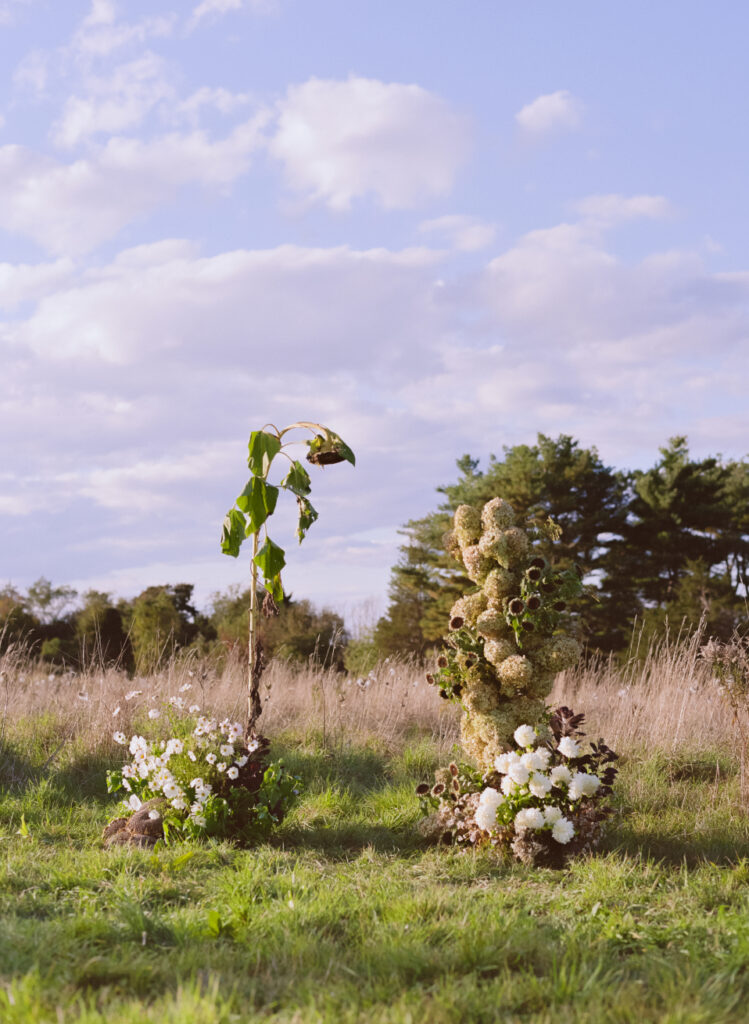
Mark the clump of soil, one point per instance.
(140, 829)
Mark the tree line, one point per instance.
(141, 634)
(670, 543)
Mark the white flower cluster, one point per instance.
(159, 768)
(528, 780)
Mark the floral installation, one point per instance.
(505, 642)
(204, 780)
(544, 801)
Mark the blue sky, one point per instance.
(436, 227)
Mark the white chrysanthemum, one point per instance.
(583, 784)
(503, 761)
(226, 750)
(138, 745)
(529, 817)
(532, 761)
(563, 830)
(154, 713)
(524, 735)
(172, 790)
(119, 737)
(232, 772)
(486, 812)
(542, 756)
(508, 785)
(211, 758)
(134, 803)
(552, 815)
(539, 784)
(569, 747)
(560, 774)
(519, 773)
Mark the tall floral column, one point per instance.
(504, 643)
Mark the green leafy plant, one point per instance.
(254, 507)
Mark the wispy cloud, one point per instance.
(551, 112)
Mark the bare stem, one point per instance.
(252, 651)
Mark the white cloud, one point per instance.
(466, 234)
(221, 100)
(9, 9)
(100, 33)
(72, 208)
(32, 73)
(340, 140)
(212, 9)
(609, 210)
(114, 103)
(555, 111)
(22, 282)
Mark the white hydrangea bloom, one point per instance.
(563, 830)
(503, 761)
(508, 785)
(539, 784)
(519, 773)
(560, 774)
(542, 756)
(569, 747)
(486, 812)
(525, 735)
(552, 815)
(529, 817)
(534, 761)
(580, 786)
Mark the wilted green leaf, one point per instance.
(232, 532)
(271, 559)
(307, 516)
(262, 450)
(297, 480)
(258, 500)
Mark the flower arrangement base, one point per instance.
(144, 828)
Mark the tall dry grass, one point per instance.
(664, 698)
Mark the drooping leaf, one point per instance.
(232, 532)
(271, 559)
(262, 450)
(297, 480)
(307, 516)
(258, 500)
(329, 449)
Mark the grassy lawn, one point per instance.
(348, 915)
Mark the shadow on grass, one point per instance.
(339, 841)
(709, 848)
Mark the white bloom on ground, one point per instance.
(175, 746)
(552, 815)
(116, 711)
(210, 758)
(539, 784)
(232, 772)
(191, 755)
(185, 687)
(508, 785)
(221, 766)
(119, 737)
(560, 774)
(242, 761)
(194, 708)
(133, 693)
(154, 815)
(563, 830)
(524, 735)
(154, 713)
(503, 761)
(134, 802)
(568, 747)
(226, 750)
(486, 812)
(519, 773)
(138, 744)
(529, 817)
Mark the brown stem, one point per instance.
(254, 654)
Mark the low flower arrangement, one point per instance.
(203, 780)
(544, 801)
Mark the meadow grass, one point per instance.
(348, 914)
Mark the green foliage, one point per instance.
(160, 620)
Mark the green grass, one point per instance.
(348, 915)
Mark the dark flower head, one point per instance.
(438, 788)
(456, 621)
(538, 563)
(548, 587)
(533, 603)
(516, 606)
(528, 625)
(453, 768)
(559, 606)
(442, 661)
(430, 678)
(534, 573)
(422, 789)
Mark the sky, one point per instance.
(436, 227)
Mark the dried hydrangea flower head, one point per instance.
(509, 626)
